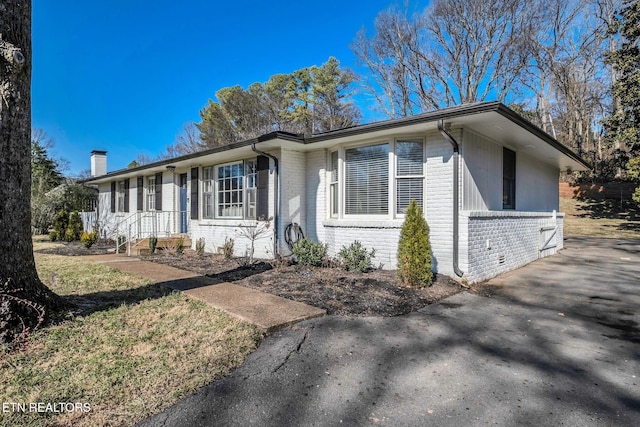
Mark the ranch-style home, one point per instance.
(486, 178)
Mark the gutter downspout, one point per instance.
(276, 208)
(456, 190)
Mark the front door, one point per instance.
(183, 203)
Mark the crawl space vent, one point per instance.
(501, 259)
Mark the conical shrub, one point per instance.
(414, 249)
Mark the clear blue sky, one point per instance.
(125, 75)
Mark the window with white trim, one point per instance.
(250, 170)
(409, 174)
(367, 180)
(207, 192)
(333, 184)
(230, 190)
(151, 193)
(120, 197)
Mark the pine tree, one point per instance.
(414, 249)
(623, 126)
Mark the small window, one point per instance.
(333, 184)
(250, 168)
(508, 179)
(151, 193)
(207, 192)
(409, 174)
(120, 196)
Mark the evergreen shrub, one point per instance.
(414, 249)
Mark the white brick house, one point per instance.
(486, 178)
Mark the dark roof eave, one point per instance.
(450, 113)
(444, 114)
(535, 130)
(262, 138)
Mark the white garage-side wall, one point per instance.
(536, 182)
(500, 241)
(493, 240)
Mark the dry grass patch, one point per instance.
(127, 360)
(600, 218)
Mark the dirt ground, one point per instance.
(339, 292)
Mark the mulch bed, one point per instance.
(339, 292)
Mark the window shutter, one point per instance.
(113, 197)
(126, 194)
(194, 193)
(159, 191)
(367, 180)
(262, 187)
(140, 193)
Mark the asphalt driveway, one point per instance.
(556, 343)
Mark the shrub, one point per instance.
(200, 246)
(89, 239)
(69, 235)
(53, 236)
(355, 257)
(75, 224)
(414, 249)
(61, 223)
(227, 248)
(309, 253)
(153, 243)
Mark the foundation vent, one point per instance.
(501, 259)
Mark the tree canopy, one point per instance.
(310, 100)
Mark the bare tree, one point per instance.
(187, 142)
(453, 53)
(23, 297)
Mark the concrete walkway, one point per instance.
(266, 311)
(556, 344)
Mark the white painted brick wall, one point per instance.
(292, 193)
(511, 237)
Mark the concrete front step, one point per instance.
(142, 245)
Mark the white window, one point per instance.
(120, 197)
(207, 192)
(409, 174)
(151, 193)
(367, 180)
(333, 184)
(250, 168)
(230, 191)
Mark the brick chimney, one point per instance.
(98, 163)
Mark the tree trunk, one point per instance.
(24, 299)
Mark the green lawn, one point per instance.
(125, 360)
